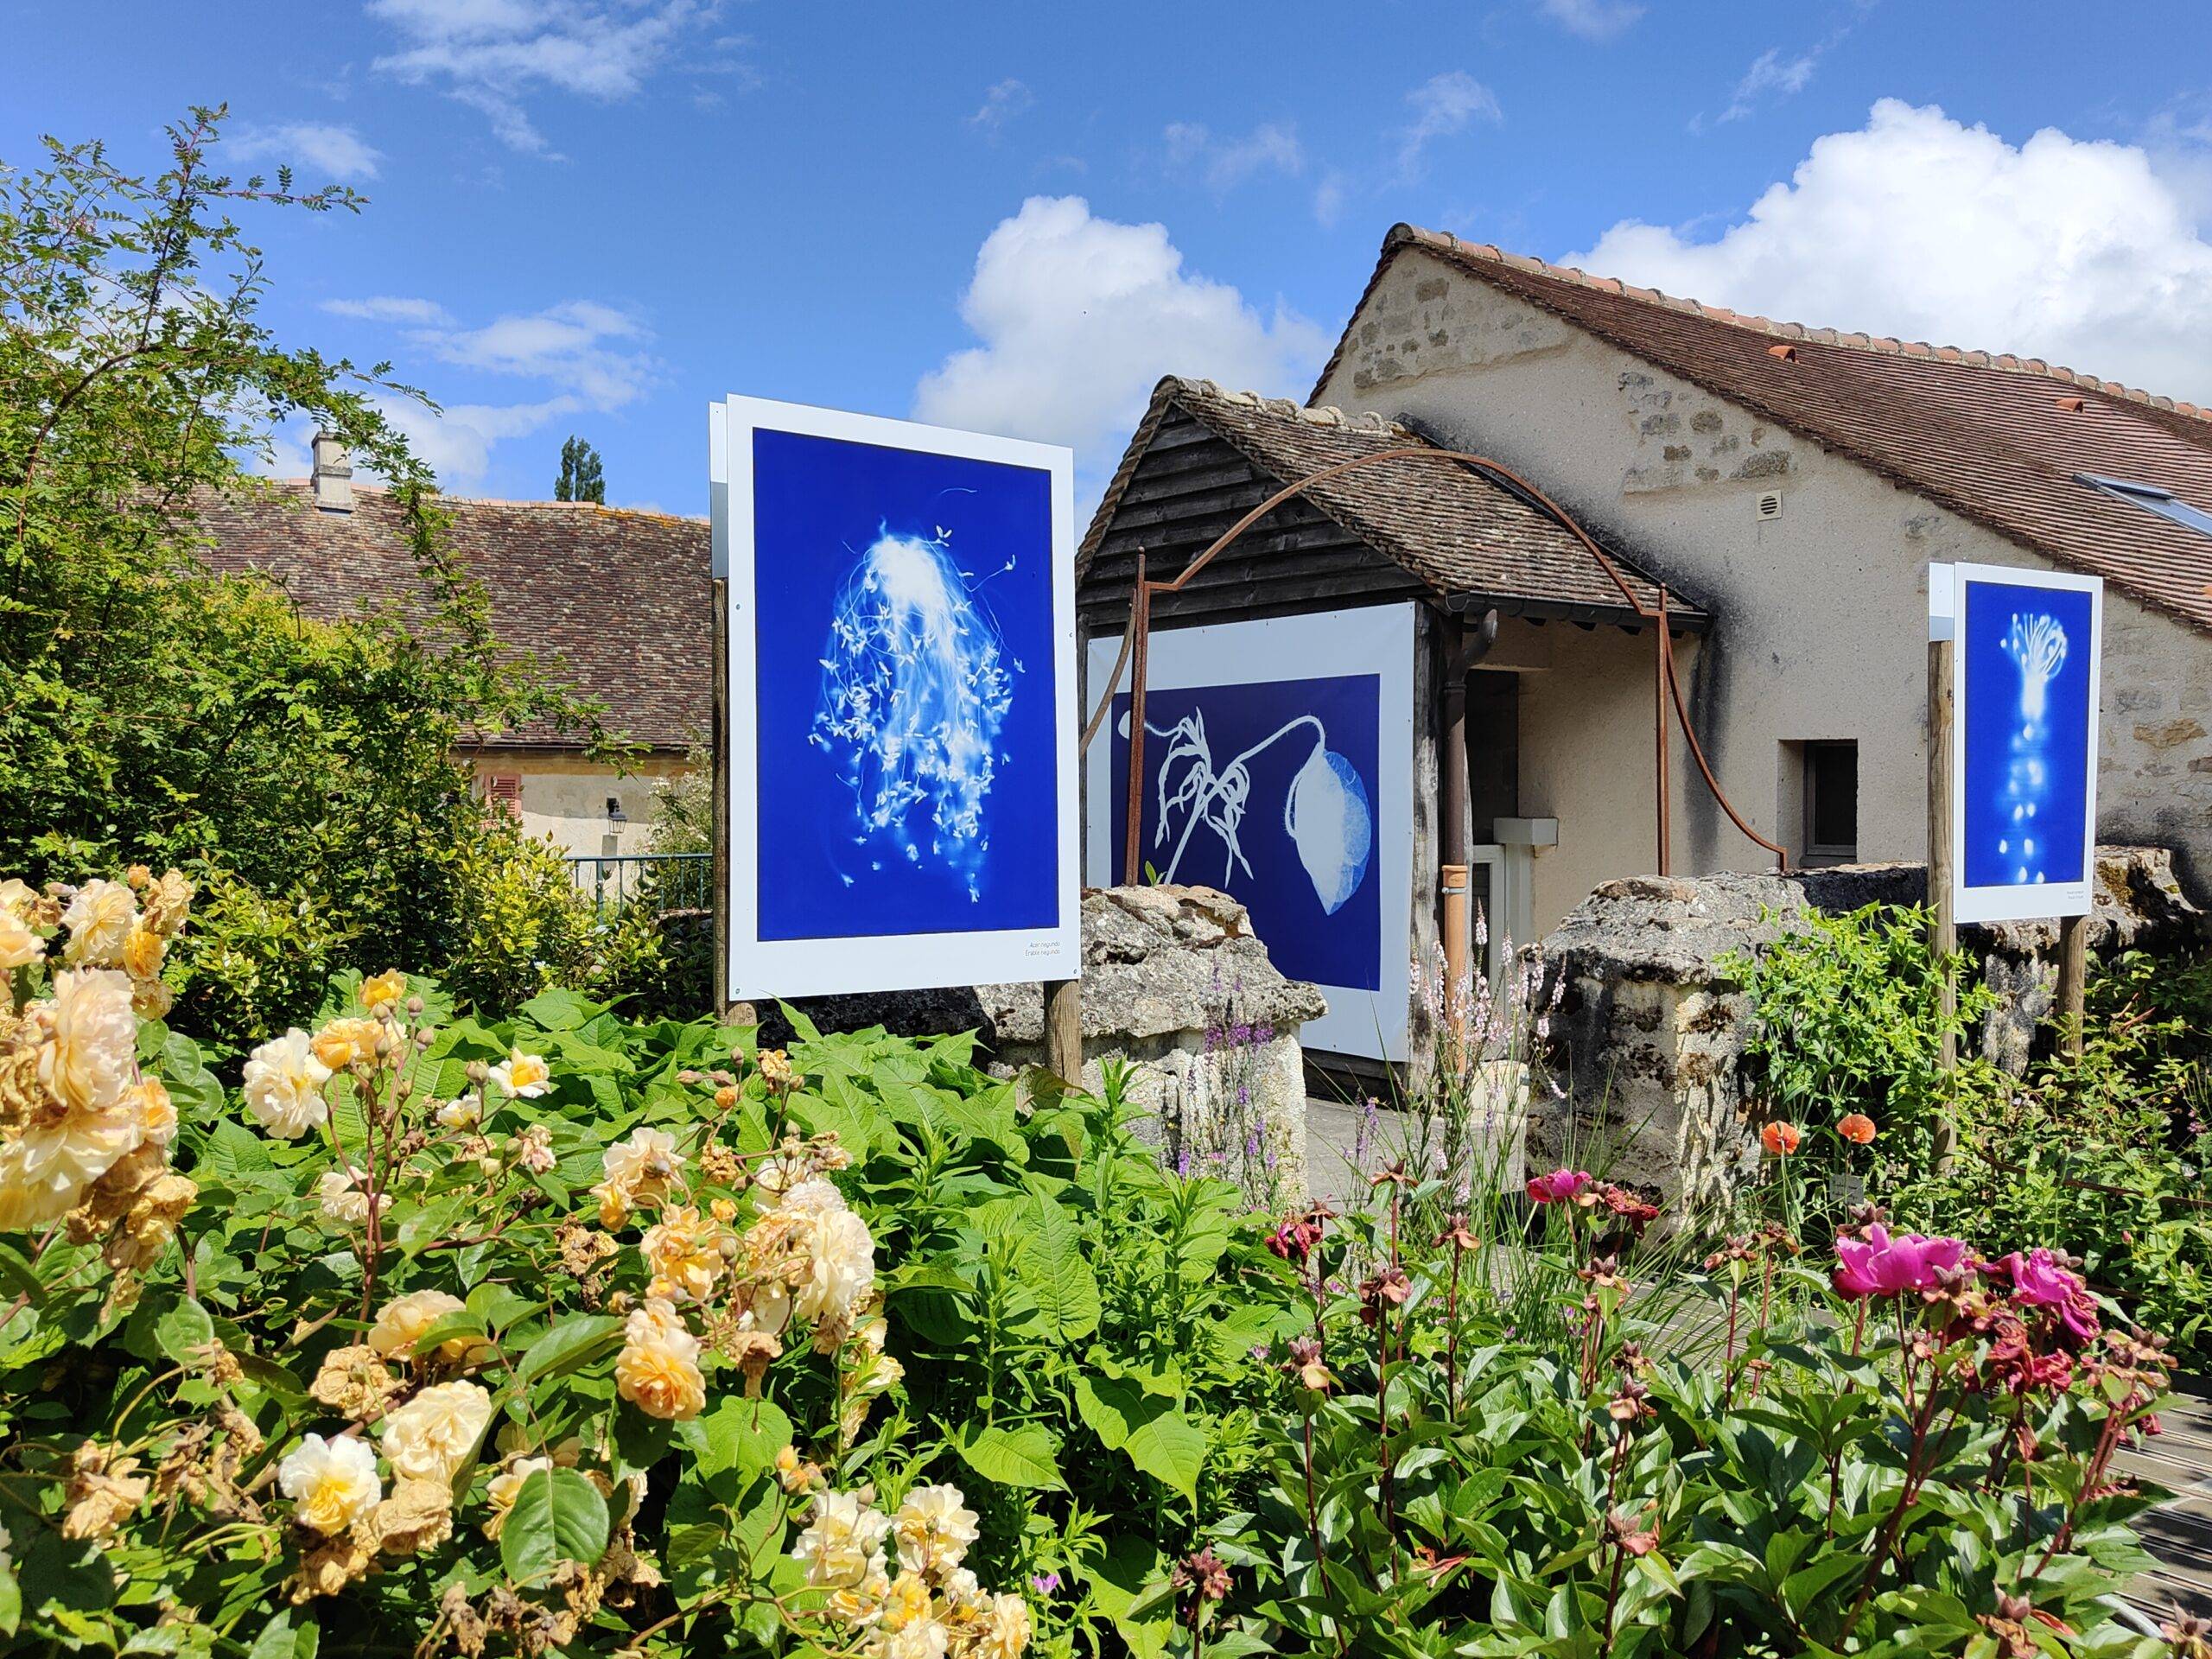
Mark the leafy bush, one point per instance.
(156, 714)
(549, 1331)
(1849, 1020)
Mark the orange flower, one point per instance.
(1857, 1128)
(1780, 1138)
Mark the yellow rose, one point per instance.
(383, 990)
(331, 1483)
(142, 951)
(658, 1371)
(344, 1043)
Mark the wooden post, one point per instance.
(720, 724)
(1140, 666)
(1660, 826)
(1063, 1030)
(1452, 829)
(1942, 930)
(2072, 980)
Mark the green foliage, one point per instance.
(523, 926)
(582, 477)
(153, 714)
(2105, 1155)
(589, 1334)
(1850, 1018)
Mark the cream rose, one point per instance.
(842, 1544)
(283, 1086)
(99, 920)
(401, 1322)
(524, 1076)
(658, 1371)
(331, 1483)
(431, 1436)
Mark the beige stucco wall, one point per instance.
(1819, 614)
(565, 800)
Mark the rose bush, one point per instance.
(442, 1332)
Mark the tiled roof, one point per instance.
(1458, 531)
(620, 600)
(1996, 438)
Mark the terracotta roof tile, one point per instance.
(1983, 435)
(621, 601)
(1458, 531)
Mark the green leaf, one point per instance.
(559, 1009)
(571, 1343)
(558, 1516)
(281, 1639)
(236, 1154)
(185, 1332)
(739, 1433)
(498, 1307)
(1012, 1457)
(1049, 1264)
(1151, 1431)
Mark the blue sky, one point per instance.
(593, 216)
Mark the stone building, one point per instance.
(617, 600)
(1788, 485)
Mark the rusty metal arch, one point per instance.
(1667, 683)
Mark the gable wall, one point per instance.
(1820, 616)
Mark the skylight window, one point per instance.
(2164, 503)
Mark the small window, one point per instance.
(1832, 802)
(504, 790)
(2150, 498)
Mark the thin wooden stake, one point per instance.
(2072, 980)
(1063, 1030)
(1942, 930)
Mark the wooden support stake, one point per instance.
(1063, 1030)
(2072, 980)
(1942, 930)
(720, 722)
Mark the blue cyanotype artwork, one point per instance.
(2025, 756)
(904, 699)
(1267, 791)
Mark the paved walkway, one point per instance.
(2179, 1461)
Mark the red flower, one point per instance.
(1558, 1186)
(1780, 1138)
(1857, 1128)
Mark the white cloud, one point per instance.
(491, 54)
(1443, 104)
(339, 155)
(456, 442)
(390, 308)
(1225, 161)
(1593, 20)
(2076, 252)
(1329, 197)
(1001, 104)
(1079, 315)
(1771, 72)
(589, 349)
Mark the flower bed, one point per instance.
(442, 1332)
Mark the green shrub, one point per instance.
(523, 926)
(559, 1333)
(150, 713)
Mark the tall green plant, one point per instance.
(149, 712)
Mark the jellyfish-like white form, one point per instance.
(915, 686)
(2036, 644)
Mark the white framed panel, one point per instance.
(1266, 740)
(901, 759)
(2027, 677)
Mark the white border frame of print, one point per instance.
(2011, 902)
(1373, 639)
(896, 962)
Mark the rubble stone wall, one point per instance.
(1654, 1030)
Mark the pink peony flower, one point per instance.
(2039, 1280)
(1558, 1186)
(1880, 1265)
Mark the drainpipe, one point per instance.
(1463, 649)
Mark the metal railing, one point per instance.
(666, 880)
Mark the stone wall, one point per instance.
(1176, 985)
(1654, 1030)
